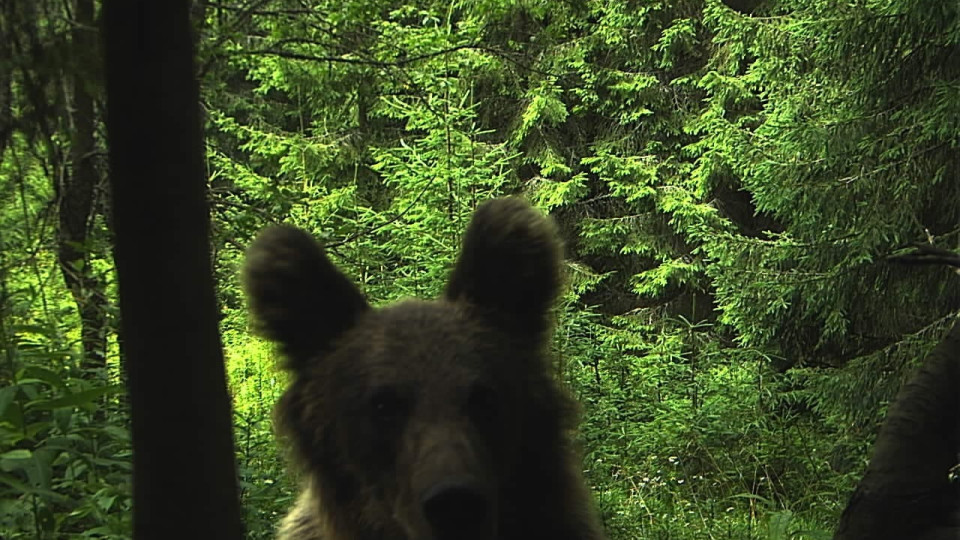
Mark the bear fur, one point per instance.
(426, 420)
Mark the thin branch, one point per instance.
(359, 61)
(927, 254)
(396, 63)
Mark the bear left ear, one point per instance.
(509, 266)
(298, 298)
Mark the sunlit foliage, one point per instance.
(734, 190)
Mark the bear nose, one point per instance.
(453, 507)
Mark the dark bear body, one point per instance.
(425, 420)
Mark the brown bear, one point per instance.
(426, 420)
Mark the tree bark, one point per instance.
(184, 471)
(6, 98)
(745, 7)
(77, 197)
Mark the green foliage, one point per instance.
(733, 191)
(255, 383)
(65, 466)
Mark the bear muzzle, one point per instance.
(452, 495)
(459, 508)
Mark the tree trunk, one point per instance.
(906, 492)
(76, 199)
(745, 7)
(184, 475)
(6, 98)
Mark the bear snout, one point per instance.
(452, 492)
(458, 508)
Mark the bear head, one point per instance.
(423, 420)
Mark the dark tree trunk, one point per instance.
(745, 7)
(184, 471)
(77, 195)
(906, 492)
(6, 98)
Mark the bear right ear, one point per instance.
(298, 298)
(509, 268)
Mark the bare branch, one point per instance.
(359, 61)
(927, 254)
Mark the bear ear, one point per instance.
(298, 298)
(509, 266)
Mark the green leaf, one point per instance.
(7, 394)
(78, 399)
(42, 374)
(18, 454)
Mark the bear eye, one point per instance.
(387, 405)
(483, 404)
